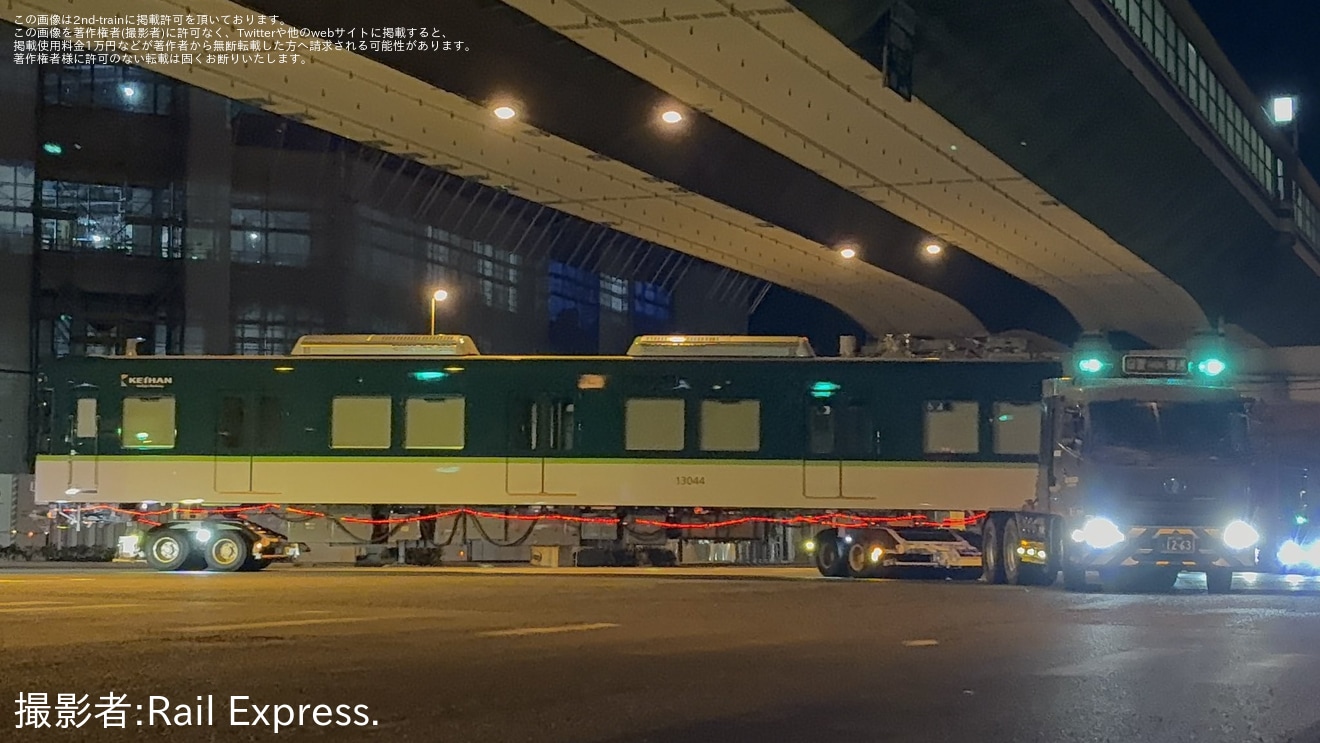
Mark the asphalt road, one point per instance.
(487, 656)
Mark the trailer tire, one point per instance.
(1218, 580)
(167, 549)
(228, 552)
(829, 557)
(992, 557)
(858, 564)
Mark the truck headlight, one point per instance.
(1099, 532)
(1240, 535)
(1291, 553)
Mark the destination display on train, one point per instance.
(1155, 366)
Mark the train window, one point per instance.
(562, 422)
(84, 425)
(858, 437)
(1016, 427)
(270, 423)
(229, 433)
(435, 423)
(526, 428)
(952, 427)
(45, 420)
(820, 429)
(360, 423)
(148, 423)
(730, 425)
(654, 424)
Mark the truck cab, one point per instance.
(1149, 478)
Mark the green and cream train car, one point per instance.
(678, 423)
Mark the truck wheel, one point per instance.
(992, 564)
(167, 550)
(829, 558)
(1218, 580)
(253, 564)
(227, 552)
(1014, 570)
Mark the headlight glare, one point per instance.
(1240, 535)
(1291, 553)
(1101, 533)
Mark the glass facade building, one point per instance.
(134, 206)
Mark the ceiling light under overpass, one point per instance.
(1283, 109)
(848, 253)
(504, 113)
(932, 248)
(671, 117)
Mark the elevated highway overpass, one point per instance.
(1085, 169)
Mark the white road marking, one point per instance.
(920, 643)
(547, 630)
(70, 607)
(269, 625)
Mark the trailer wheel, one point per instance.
(227, 552)
(992, 564)
(1017, 572)
(1218, 580)
(859, 565)
(167, 550)
(829, 557)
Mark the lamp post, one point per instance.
(439, 296)
(1283, 113)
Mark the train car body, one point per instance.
(442, 425)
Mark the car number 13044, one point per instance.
(689, 480)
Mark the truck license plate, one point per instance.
(1180, 544)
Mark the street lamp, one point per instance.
(1283, 109)
(439, 296)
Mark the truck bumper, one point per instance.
(1194, 549)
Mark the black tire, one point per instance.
(829, 556)
(992, 558)
(254, 564)
(858, 561)
(1074, 577)
(168, 549)
(1017, 572)
(227, 552)
(1218, 580)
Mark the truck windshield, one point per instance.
(1133, 428)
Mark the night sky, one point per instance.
(1275, 46)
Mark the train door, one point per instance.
(247, 425)
(541, 426)
(839, 430)
(822, 465)
(84, 441)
